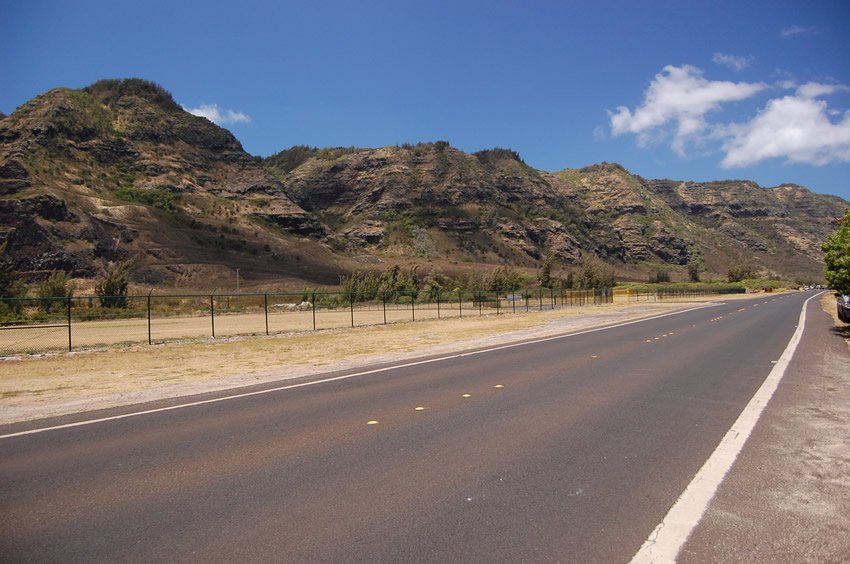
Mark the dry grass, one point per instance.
(827, 302)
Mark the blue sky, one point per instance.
(683, 90)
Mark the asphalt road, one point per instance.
(568, 449)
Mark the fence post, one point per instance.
(266, 311)
(351, 301)
(540, 296)
(413, 306)
(212, 315)
(384, 300)
(497, 303)
(69, 323)
(438, 303)
(150, 341)
(460, 304)
(314, 311)
(525, 297)
(480, 304)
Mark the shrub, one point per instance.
(695, 267)
(506, 279)
(740, 271)
(837, 257)
(593, 273)
(112, 289)
(155, 197)
(660, 276)
(53, 291)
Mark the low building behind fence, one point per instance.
(37, 325)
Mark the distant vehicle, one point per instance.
(842, 301)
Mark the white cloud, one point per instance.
(734, 62)
(796, 128)
(675, 105)
(797, 30)
(218, 115)
(816, 89)
(599, 133)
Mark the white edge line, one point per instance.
(343, 377)
(668, 538)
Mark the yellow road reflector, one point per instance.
(466, 396)
(498, 386)
(594, 356)
(372, 422)
(419, 408)
(649, 340)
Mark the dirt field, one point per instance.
(41, 386)
(54, 336)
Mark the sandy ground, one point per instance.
(59, 384)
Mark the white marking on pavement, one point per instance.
(668, 538)
(345, 376)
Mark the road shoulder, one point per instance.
(787, 498)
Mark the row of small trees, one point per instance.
(396, 281)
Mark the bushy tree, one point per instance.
(545, 276)
(660, 276)
(112, 288)
(741, 271)
(506, 279)
(837, 257)
(371, 285)
(51, 292)
(593, 273)
(695, 267)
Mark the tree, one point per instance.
(695, 267)
(660, 276)
(741, 271)
(593, 273)
(112, 289)
(53, 291)
(837, 257)
(506, 279)
(545, 277)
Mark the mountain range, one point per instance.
(118, 170)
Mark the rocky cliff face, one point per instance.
(434, 201)
(119, 171)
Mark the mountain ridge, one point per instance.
(118, 171)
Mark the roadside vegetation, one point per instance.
(837, 257)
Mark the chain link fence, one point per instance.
(38, 325)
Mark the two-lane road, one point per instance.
(569, 448)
